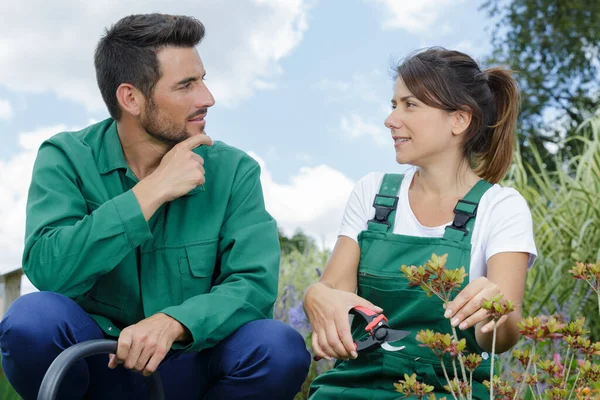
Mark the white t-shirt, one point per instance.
(503, 222)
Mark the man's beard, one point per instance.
(161, 128)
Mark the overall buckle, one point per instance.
(461, 217)
(382, 212)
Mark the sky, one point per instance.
(301, 85)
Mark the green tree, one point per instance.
(299, 242)
(554, 47)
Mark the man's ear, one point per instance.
(130, 99)
(462, 120)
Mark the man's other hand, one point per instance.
(144, 345)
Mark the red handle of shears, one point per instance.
(369, 315)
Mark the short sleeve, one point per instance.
(511, 227)
(359, 206)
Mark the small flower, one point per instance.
(458, 387)
(532, 379)
(497, 308)
(557, 381)
(531, 327)
(590, 373)
(411, 387)
(472, 361)
(579, 271)
(552, 328)
(440, 344)
(575, 328)
(592, 350)
(583, 393)
(497, 382)
(550, 367)
(556, 393)
(517, 377)
(437, 264)
(523, 356)
(450, 281)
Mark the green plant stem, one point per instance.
(598, 293)
(447, 378)
(565, 366)
(536, 385)
(574, 384)
(471, 385)
(533, 393)
(436, 293)
(460, 394)
(531, 356)
(569, 368)
(460, 357)
(492, 363)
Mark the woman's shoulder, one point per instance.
(504, 199)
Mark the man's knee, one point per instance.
(282, 347)
(33, 319)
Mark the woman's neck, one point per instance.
(443, 180)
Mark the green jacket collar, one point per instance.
(111, 155)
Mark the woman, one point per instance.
(456, 125)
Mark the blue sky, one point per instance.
(303, 85)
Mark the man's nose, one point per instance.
(204, 98)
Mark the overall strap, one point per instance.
(385, 203)
(465, 213)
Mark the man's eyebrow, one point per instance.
(188, 80)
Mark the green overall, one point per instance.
(382, 253)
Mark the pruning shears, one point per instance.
(380, 333)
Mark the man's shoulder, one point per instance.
(89, 136)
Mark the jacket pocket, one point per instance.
(197, 268)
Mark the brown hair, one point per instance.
(127, 52)
(451, 80)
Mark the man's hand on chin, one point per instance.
(144, 345)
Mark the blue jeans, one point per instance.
(262, 359)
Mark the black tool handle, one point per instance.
(66, 359)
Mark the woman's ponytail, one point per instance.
(494, 162)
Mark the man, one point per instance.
(140, 227)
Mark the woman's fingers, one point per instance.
(473, 306)
(317, 347)
(335, 343)
(477, 316)
(343, 331)
(464, 297)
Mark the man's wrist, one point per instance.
(180, 332)
(149, 196)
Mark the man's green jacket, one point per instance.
(209, 259)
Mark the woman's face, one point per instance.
(421, 133)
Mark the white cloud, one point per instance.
(6, 110)
(414, 16)
(15, 178)
(243, 45)
(356, 127)
(313, 200)
(474, 48)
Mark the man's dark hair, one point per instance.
(127, 52)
